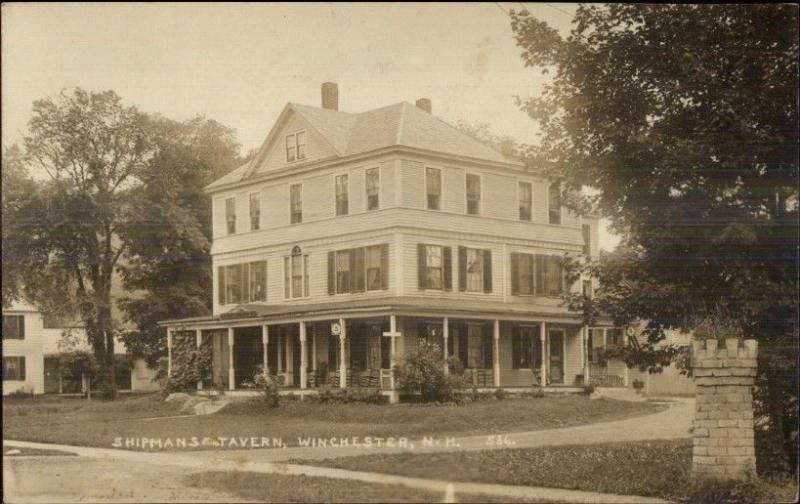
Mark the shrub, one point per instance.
(703, 490)
(588, 389)
(189, 364)
(21, 394)
(500, 394)
(267, 385)
(349, 396)
(422, 372)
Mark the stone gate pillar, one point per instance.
(724, 444)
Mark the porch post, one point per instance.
(625, 372)
(265, 344)
(496, 353)
(199, 340)
(392, 349)
(303, 356)
(231, 374)
(445, 338)
(314, 349)
(342, 350)
(543, 339)
(169, 352)
(587, 367)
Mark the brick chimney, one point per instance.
(330, 96)
(424, 104)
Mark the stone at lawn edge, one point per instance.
(723, 426)
(191, 402)
(178, 397)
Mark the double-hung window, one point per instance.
(342, 195)
(433, 187)
(255, 211)
(373, 185)
(525, 201)
(434, 265)
(554, 203)
(473, 194)
(296, 146)
(296, 203)
(230, 215)
(474, 270)
(358, 269)
(13, 327)
(13, 368)
(242, 283)
(549, 276)
(536, 274)
(296, 276)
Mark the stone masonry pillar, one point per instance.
(724, 444)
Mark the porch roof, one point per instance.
(395, 305)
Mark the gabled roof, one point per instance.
(401, 124)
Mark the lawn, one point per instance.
(647, 468)
(12, 451)
(98, 424)
(281, 488)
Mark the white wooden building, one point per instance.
(350, 237)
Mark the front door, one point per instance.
(556, 367)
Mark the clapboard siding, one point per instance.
(31, 347)
(413, 180)
(275, 157)
(572, 354)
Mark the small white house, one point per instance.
(32, 348)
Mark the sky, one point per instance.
(240, 63)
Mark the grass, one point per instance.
(97, 424)
(282, 488)
(648, 468)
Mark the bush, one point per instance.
(349, 396)
(189, 364)
(267, 385)
(422, 372)
(500, 394)
(588, 389)
(21, 394)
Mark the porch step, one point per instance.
(618, 393)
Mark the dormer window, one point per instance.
(296, 146)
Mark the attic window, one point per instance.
(296, 146)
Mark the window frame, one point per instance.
(467, 175)
(291, 205)
(549, 210)
(20, 326)
(257, 212)
(21, 374)
(520, 183)
(288, 276)
(374, 169)
(230, 216)
(340, 284)
(481, 253)
(441, 189)
(379, 248)
(336, 177)
(428, 267)
(292, 145)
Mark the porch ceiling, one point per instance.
(404, 306)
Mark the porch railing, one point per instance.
(600, 376)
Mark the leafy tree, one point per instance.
(93, 151)
(482, 132)
(685, 119)
(168, 266)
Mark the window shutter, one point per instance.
(266, 282)
(22, 328)
(287, 277)
(462, 268)
(357, 269)
(541, 274)
(421, 266)
(221, 284)
(385, 266)
(447, 265)
(463, 344)
(21, 368)
(487, 270)
(331, 273)
(245, 283)
(514, 273)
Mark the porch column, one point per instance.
(392, 335)
(342, 351)
(625, 372)
(445, 338)
(543, 339)
(198, 334)
(265, 344)
(314, 349)
(169, 352)
(586, 349)
(496, 353)
(231, 374)
(303, 357)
